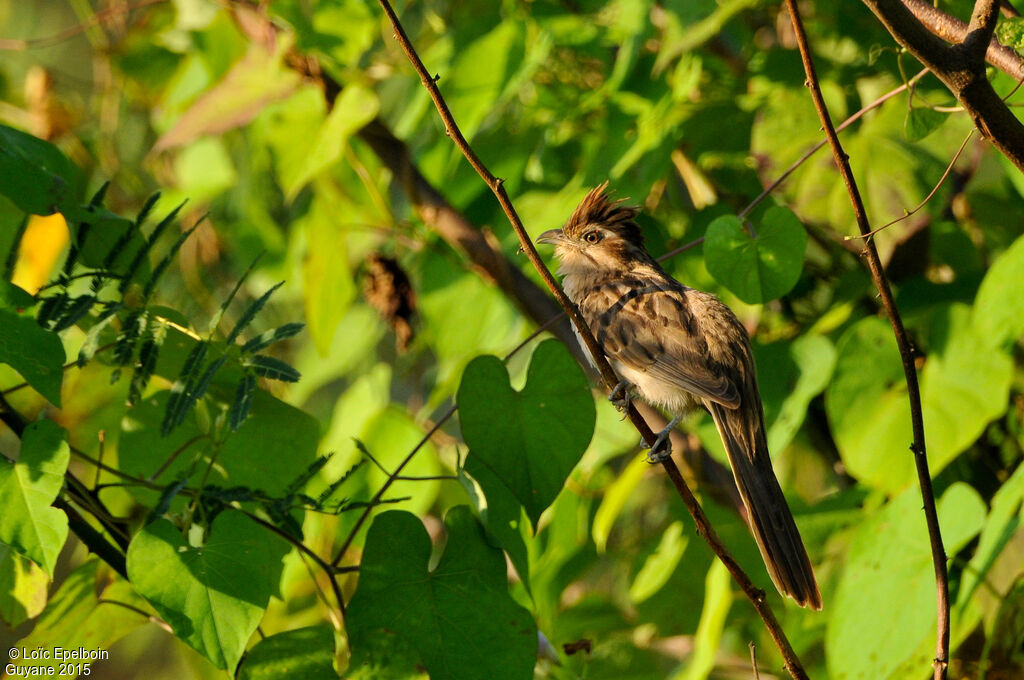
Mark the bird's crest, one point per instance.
(598, 208)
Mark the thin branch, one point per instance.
(141, 612)
(935, 189)
(814, 149)
(21, 44)
(392, 478)
(704, 528)
(303, 548)
(69, 365)
(174, 455)
(906, 352)
(961, 68)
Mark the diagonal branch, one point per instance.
(961, 67)
(903, 341)
(608, 375)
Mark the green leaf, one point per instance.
(83, 613)
(889, 561)
(921, 122)
(1010, 31)
(479, 72)
(868, 410)
(502, 516)
(13, 298)
(272, 368)
(35, 175)
(326, 275)
(355, 107)
(243, 401)
(458, 617)
(530, 440)
(708, 639)
(615, 497)
(255, 81)
(964, 386)
(756, 269)
(999, 305)
(213, 596)
(268, 338)
(250, 313)
(1000, 526)
(23, 587)
(34, 352)
(27, 490)
(300, 654)
(790, 375)
(273, 446)
(660, 564)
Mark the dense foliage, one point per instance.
(267, 414)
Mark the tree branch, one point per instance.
(961, 67)
(952, 30)
(903, 341)
(704, 528)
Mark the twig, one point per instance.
(141, 612)
(303, 548)
(704, 528)
(942, 180)
(753, 660)
(814, 149)
(69, 365)
(906, 352)
(961, 68)
(98, 18)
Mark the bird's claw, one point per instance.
(620, 396)
(661, 449)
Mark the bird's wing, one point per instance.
(650, 327)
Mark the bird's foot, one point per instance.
(661, 449)
(620, 396)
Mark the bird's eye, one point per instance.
(592, 236)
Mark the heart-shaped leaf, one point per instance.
(28, 488)
(213, 596)
(458, 618)
(756, 269)
(530, 440)
(300, 654)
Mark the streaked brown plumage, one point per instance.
(679, 348)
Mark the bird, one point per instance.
(679, 348)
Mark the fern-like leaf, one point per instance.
(274, 369)
(268, 338)
(251, 313)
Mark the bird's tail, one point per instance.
(769, 517)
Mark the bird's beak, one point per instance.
(551, 236)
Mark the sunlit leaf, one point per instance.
(889, 561)
(23, 587)
(300, 654)
(28, 488)
(213, 596)
(760, 268)
(999, 307)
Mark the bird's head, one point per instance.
(600, 235)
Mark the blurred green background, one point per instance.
(690, 108)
